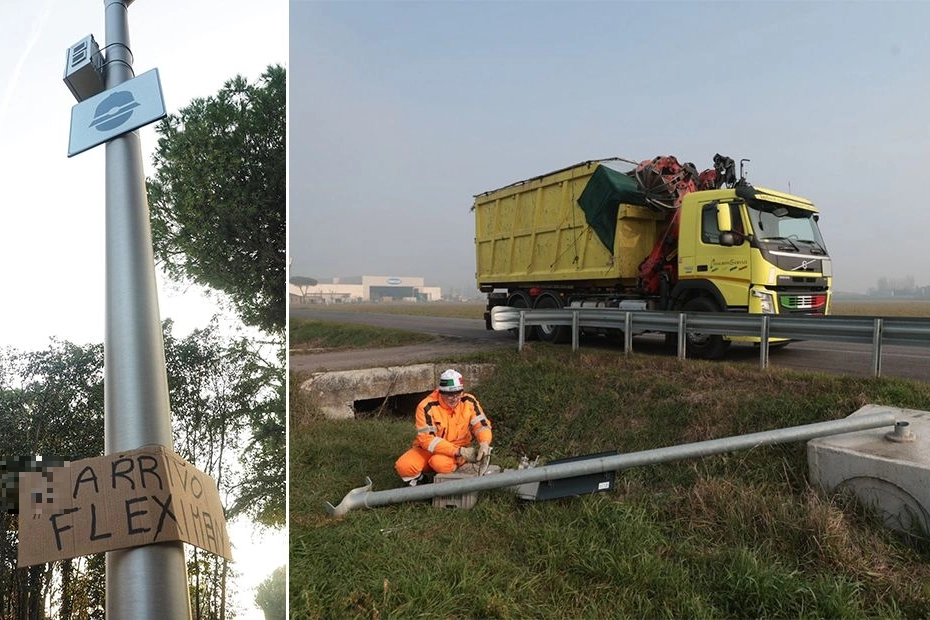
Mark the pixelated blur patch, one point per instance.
(37, 474)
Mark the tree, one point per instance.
(303, 283)
(262, 491)
(886, 286)
(227, 410)
(51, 403)
(218, 387)
(223, 395)
(217, 203)
(270, 595)
(217, 200)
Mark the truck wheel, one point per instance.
(551, 333)
(520, 300)
(705, 346)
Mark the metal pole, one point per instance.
(150, 582)
(628, 333)
(764, 342)
(364, 497)
(682, 336)
(575, 330)
(877, 347)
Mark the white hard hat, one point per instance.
(450, 381)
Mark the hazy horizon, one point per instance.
(401, 112)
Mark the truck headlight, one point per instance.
(766, 301)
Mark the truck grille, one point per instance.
(804, 303)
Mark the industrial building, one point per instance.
(365, 288)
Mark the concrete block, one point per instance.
(464, 501)
(335, 393)
(885, 473)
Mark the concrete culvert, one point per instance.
(347, 394)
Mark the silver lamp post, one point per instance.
(150, 582)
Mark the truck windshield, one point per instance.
(792, 226)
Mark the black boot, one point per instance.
(423, 478)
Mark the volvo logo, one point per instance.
(394, 281)
(804, 265)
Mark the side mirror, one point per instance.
(729, 238)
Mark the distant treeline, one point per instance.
(898, 287)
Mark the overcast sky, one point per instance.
(400, 112)
(52, 227)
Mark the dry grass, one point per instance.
(882, 307)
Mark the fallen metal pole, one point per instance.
(364, 497)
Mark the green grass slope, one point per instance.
(740, 535)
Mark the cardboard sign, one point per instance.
(130, 499)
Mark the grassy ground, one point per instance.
(452, 310)
(306, 335)
(731, 536)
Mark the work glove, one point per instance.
(469, 454)
(484, 450)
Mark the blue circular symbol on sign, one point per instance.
(393, 281)
(114, 110)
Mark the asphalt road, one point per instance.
(460, 335)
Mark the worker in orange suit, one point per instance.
(446, 422)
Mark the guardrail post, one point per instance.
(628, 332)
(764, 343)
(521, 337)
(682, 335)
(575, 335)
(877, 347)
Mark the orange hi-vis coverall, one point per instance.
(441, 431)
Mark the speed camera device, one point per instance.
(84, 69)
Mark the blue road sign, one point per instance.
(126, 107)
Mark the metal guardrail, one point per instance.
(876, 331)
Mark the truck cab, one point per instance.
(752, 250)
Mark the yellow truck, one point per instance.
(657, 236)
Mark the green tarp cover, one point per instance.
(606, 190)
